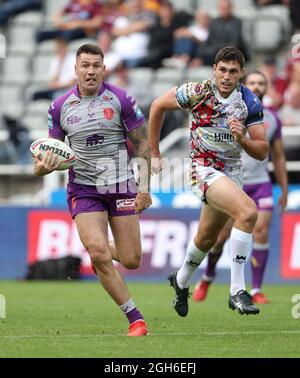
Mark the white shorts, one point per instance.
(201, 178)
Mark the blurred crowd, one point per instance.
(152, 33)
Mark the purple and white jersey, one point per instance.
(256, 171)
(212, 144)
(96, 127)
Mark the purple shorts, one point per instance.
(261, 195)
(87, 199)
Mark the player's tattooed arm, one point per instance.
(139, 139)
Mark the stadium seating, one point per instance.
(16, 70)
(199, 74)
(171, 76)
(11, 100)
(25, 68)
(160, 87)
(36, 122)
(40, 73)
(46, 47)
(21, 40)
(143, 74)
(73, 45)
(185, 5)
(208, 5)
(51, 7)
(33, 19)
(267, 34)
(27, 63)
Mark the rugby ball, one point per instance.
(64, 153)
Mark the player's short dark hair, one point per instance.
(89, 48)
(229, 53)
(256, 72)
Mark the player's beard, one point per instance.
(259, 94)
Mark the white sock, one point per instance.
(128, 306)
(240, 246)
(193, 259)
(255, 291)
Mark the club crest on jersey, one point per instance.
(108, 113)
(125, 204)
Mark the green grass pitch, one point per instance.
(78, 319)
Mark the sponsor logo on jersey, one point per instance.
(139, 114)
(215, 137)
(107, 98)
(108, 113)
(50, 121)
(266, 203)
(74, 103)
(223, 137)
(91, 112)
(73, 120)
(73, 202)
(137, 111)
(101, 125)
(181, 97)
(130, 98)
(94, 140)
(125, 204)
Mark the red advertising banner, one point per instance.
(53, 234)
(290, 246)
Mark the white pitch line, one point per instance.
(154, 334)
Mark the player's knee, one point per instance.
(132, 262)
(252, 216)
(221, 240)
(99, 255)
(248, 215)
(96, 248)
(219, 244)
(261, 234)
(205, 243)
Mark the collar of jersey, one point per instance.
(101, 90)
